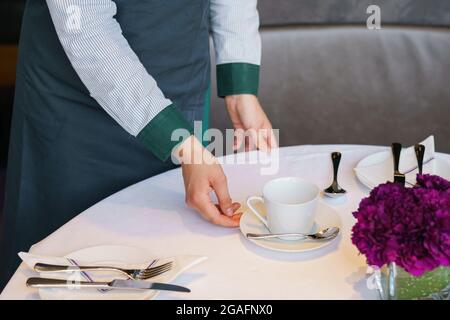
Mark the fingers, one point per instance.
(236, 206)
(201, 202)
(230, 222)
(249, 143)
(219, 184)
(263, 139)
(239, 138)
(272, 140)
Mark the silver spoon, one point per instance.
(325, 234)
(335, 190)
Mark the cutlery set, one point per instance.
(136, 277)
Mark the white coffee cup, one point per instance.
(290, 205)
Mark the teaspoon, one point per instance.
(325, 234)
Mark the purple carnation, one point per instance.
(408, 226)
(433, 182)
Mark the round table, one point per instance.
(152, 215)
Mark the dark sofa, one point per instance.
(326, 78)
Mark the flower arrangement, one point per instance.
(407, 226)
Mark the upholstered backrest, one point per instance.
(339, 12)
(340, 82)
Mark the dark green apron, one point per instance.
(66, 153)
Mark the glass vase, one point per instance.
(394, 283)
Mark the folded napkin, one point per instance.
(180, 264)
(383, 171)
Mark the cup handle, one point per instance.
(255, 212)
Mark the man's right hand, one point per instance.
(202, 174)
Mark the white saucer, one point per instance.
(439, 166)
(325, 217)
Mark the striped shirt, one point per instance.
(112, 72)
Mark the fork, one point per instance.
(135, 274)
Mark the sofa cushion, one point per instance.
(354, 85)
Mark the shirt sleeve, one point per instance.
(111, 71)
(237, 43)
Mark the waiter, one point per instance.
(101, 86)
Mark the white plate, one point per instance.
(439, 166)
(325, 217)
(113, 255)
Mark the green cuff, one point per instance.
(237, 78)
(157, 134)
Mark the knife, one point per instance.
(420, 152)
(396, 150)
(115, 284)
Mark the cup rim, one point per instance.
(291, 178)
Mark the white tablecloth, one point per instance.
(152, 215)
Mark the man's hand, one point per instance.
(203, 174)
(246, 113)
